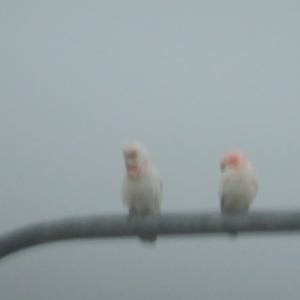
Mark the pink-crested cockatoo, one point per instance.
(239, 184)
(142, 184)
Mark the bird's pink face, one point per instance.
(234, 160)
(135, 162)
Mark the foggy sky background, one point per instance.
(191, 80)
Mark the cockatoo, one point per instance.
(142, 185)
(238, 186)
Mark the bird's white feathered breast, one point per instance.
(143, 194)
(238, 189)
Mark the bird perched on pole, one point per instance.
(239, 184)
(142, 184)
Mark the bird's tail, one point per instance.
(148, 238)
(233, 235)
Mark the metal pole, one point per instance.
(113, 226)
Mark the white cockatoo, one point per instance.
(239, 185)
(142, 185)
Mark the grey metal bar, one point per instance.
(113, 226)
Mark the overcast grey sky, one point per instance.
(189, 79)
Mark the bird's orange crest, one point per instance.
(233, 159)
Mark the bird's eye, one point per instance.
(132, 154)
